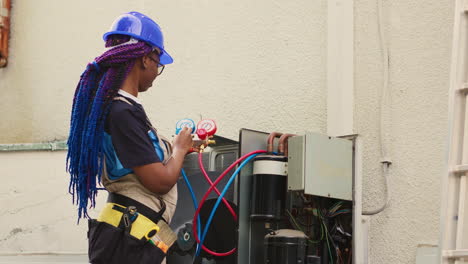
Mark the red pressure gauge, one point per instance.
(206, 128)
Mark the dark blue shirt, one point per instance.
(127, 141)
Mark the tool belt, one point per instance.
(120, 208)
(127, 231)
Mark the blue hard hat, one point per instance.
(143, 28)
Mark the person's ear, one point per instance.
(145, 62)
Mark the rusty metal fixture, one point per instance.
(283, 144)
(270, 139)
(5, 8)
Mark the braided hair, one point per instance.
(96, 89)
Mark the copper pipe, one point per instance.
(4, 31)
(283, 144)
(286, 145)
(270, 139)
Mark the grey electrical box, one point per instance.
(321, 165)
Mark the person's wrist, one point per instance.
(178, 151)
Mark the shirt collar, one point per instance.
(124, 93)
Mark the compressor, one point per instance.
(269, 187)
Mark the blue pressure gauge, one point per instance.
(186, 122)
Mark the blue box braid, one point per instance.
(94, 94)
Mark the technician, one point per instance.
(112, 141)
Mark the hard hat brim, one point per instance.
(164, 58)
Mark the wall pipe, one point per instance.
(4, 31)
(43, 146)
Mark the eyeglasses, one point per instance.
(160, 66)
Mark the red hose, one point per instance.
(197, 212)
(200, 163)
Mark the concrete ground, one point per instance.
(43, 259)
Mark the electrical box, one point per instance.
(321, 165)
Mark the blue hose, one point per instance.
(195, 204)
(220, 198)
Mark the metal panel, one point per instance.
(296, 163)
(328, 166)
(249, 140)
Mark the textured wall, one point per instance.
(419, 39)
(253, 64)
(256, 64)
(37, 214)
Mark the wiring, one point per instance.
(337, 239)
(387, 195)
(335, 207)
(333, 217)
(385, 97)
(293, 220)
(344, 211)
(303, 224)
(338, 253)
(326, 234)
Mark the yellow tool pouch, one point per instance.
(137, 221)
(138, 225)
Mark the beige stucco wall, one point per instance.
(37, 214)
(254, 64)
(257, 64)
(419, 35)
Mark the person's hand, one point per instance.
(183, 141)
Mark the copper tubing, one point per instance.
(283, 144)
(5, 8)
(270, 139)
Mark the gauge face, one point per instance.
(208, 125)
(186, 122)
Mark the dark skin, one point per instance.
(156, 177)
